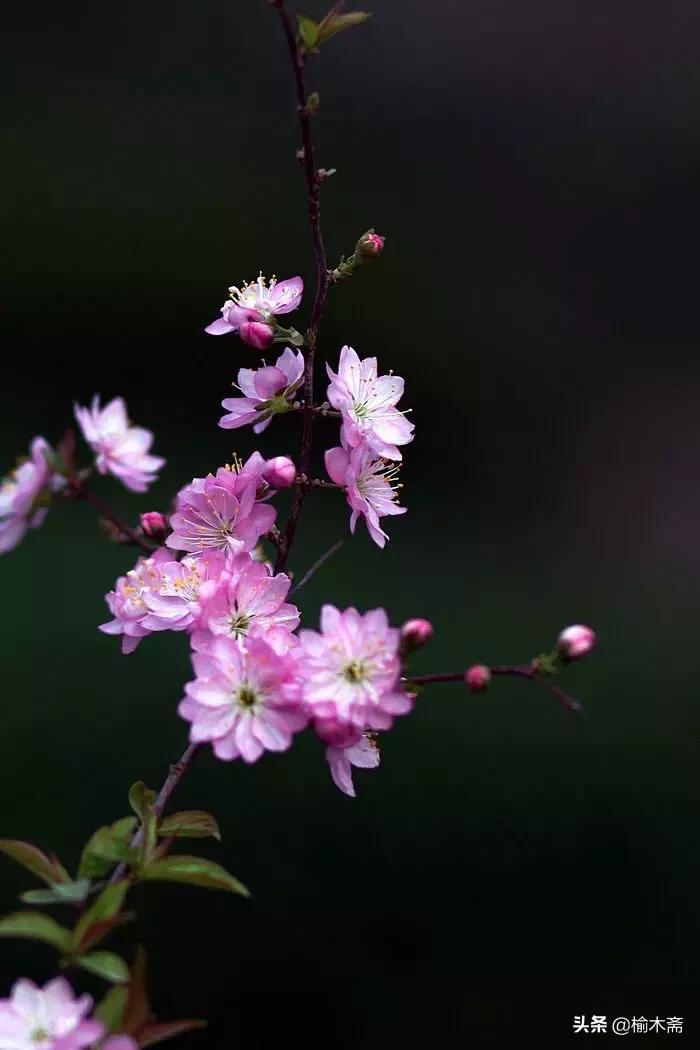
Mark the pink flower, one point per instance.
(349, 673)
(222, 512)
(22, 493)
(249, 599)
(257, 304)
(242, 699)
(280, 472)
(576, 641)
(364, 754)
(266, 391)
(127, 601)
(121, 449)
(175, 602)
(48, 1018)
(367, 403)
(370, 486)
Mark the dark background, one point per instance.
(534, 167)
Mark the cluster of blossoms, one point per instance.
(52, 1018)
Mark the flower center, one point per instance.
(39, 1035)
(239, 623)
(245, 697)
(355, 671)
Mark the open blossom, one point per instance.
(266, 391)
(21, 493)
(48, 1018)
(367, 403)
(222, 511)
(241, 700)
(252, 309)
(364, 754)
(120, 448)
(349, 673)
(174, 603)
(127, 602)
(249, 599)
(370, 486)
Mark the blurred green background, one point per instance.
(534, 168)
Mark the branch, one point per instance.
(175, 775)
(313, 182)
(504, 671)
(316, 566)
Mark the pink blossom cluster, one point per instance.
(52, 1018)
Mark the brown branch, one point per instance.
(505, 671)
(313, 183)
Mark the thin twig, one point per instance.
(316, 566)
(313, 183)
(515, 671)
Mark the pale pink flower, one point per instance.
(248, 599)
(266, 391)
(364, 754)
(576, 641)
(127, 602)
(120, 448)
(257, 304)
(367, 403)
(22, 494)
(48, 1018)
(370, 485)
(175, 602)
(349, 673)
(222, 511)
(241, 700)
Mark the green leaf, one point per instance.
(107, 965)
(46, 867)
(313, 102)
(194, 871)
(141, 799)
(333, 23)
(157, 1033)
(109, 845)
(308, 31)
(34, 926)
(111, 1010)
(190, 824)
(60, 893)
(106, 907)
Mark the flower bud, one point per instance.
(153, 523)
(257, 334)
(415, 634)
(370, 244)
(280, 472)
(477, 678)
(576, 641)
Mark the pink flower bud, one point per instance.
(280, 472)
(576, 641)
(257, 334)
(370, 244)
(415, 634)
(477, 678)
(153, 523)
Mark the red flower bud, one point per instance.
(477, 678)
(153, 523)
(257, 334)
(280, 472)
(415, 634)
(370, 244)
